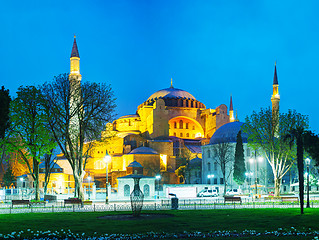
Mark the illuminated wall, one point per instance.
(187, 128)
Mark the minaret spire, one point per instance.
(171, 83)
(75, 51)
(231, 110)
(75, 62)
(275, 98)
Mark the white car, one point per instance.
(208, 193)
(233, 192)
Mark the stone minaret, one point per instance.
(75, 91)
(231, 110)
(275, 99)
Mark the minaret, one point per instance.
(171, 83)
(275, 98)
(75, 63)
(75, 92)
(231, 110)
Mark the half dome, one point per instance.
(228, 133)
(143, 150)
(171, 93)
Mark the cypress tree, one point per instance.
(239, 164)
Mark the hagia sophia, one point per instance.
(169, 127)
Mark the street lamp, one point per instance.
(254, 160)
(89, 178)
(308, 164)
(210, 177)
(21, 179)
(248, 176)
(107, 159)
(158, 178)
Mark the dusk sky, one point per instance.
(211, 49)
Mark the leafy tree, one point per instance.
(267, 134)
(5, 100)
(8, 177)
(28, 133)
(312, 145)
(239, 163)
(224, 158)
(77, 114)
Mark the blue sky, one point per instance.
(211, 49)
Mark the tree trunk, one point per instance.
(79, 193)
(277, 186)
(36, 179)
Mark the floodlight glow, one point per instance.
(260, 159)
(158, 177)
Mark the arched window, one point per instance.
(126, 190)
(186, 125)
(146, 190)
(181, 134)
(193, 127)
(175, 125)
(187, 134)
(181, 124)
(208, 166)
(208, 153)
(174, 134)
(215, 166)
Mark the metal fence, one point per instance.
(155, 206)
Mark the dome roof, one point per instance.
(228, 133)
(196, 162)
(143, 150)
(171, 93)
(135, 164)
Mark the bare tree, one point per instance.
(77, 116)
(223, 153)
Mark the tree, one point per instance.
(5, 100)
(8, 177)
(312, 145)
(301, 138)
(266, 132)
(77, 115)
(28, 134)
(223, 157)
(239, 163)
(181, 172)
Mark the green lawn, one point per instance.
(192, 220)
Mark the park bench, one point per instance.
(72, 201)
(232, 199)
(20, 202)
(289, 199)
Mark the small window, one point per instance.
(181, 134)
(221, 180)
(181, 124)
(215, 180)
(126, 190)
(174, 134)
(187, 134)
(175, 125)
(215, 166)
(193, 127)
(208, 153)
(146, 190)
(186, 125)
(208, 166)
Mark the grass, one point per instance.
(192, 220)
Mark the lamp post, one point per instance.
(308, 164)
(89, 178)
(248, 175)
(158, 178)
(107, 159)
(254, 160)
(21, 179)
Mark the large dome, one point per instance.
(171, 93)
(228, 133)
